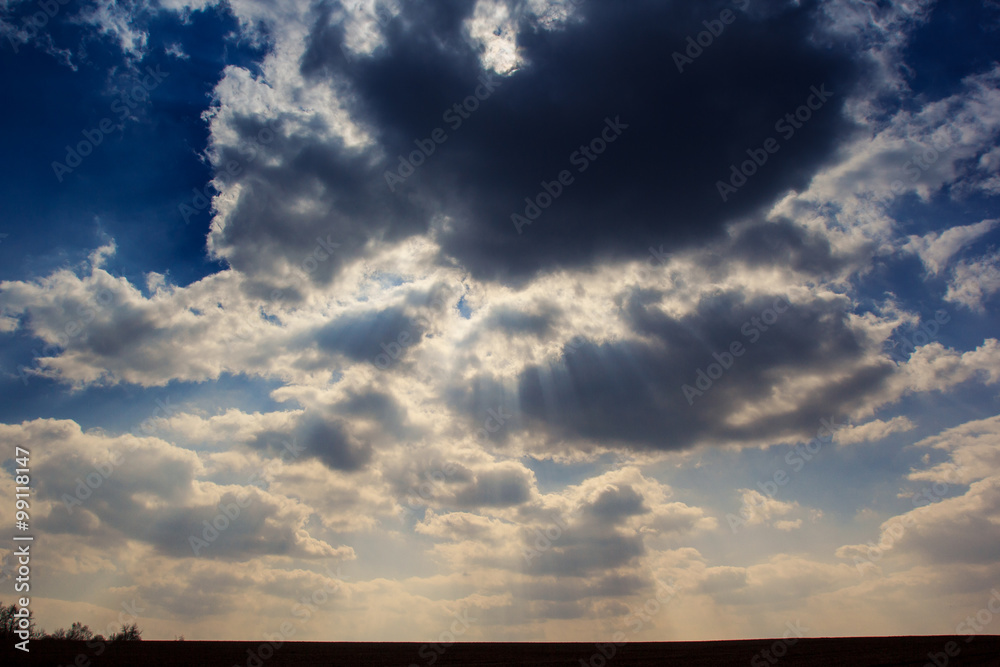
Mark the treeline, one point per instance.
(10, 624)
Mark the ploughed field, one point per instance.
(938, 651)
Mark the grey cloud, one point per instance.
(496, 488)
(319, 436)
(538, 323)
(630, 391)
(364, 336)
(114, 515)
(580, 552)
(330, 443)
(658, 180)
(615, 504)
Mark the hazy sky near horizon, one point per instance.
(675, 319)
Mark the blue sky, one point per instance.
(527, 365)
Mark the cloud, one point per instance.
(935, 250)
(873, 431)
(330, 185)
(631, 391)
(109, 491)
(119, 23)
(99, 328)
(502, 486)
(971, 450)
(944, 527)
(933, 367)
(617, 503)
(763, 508)
(364, 336)
(974, 281)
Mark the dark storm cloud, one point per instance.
(350, 203)
(655, 184)
(657, 181)
(327, 439)
(361, 336)
(382, 408)
(782, 242)
(632, 391)
(330, 442)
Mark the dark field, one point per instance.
(855, 651)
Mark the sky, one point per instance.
(503, 319)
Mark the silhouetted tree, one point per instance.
(9, 622)
(77, 632)
(128, 633)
